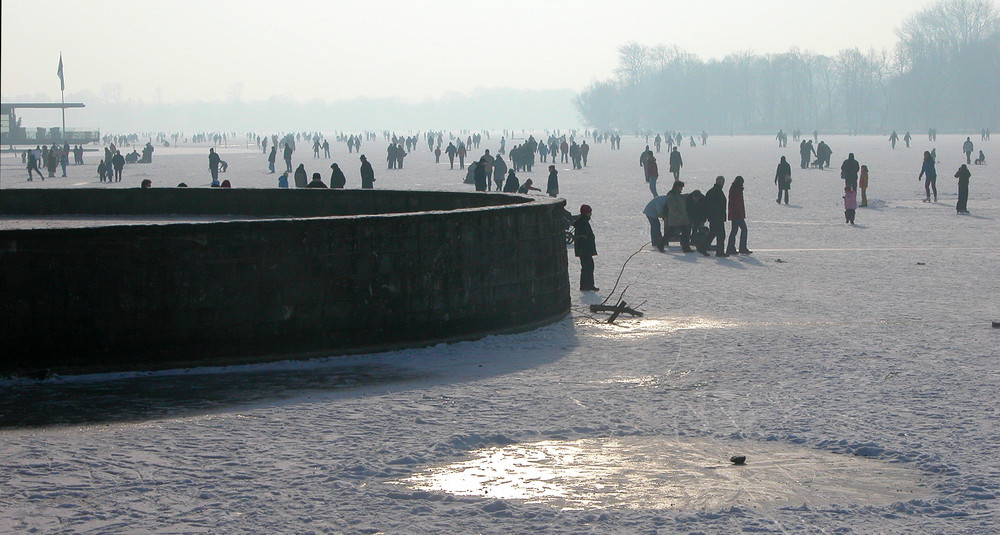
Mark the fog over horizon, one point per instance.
(403, 66)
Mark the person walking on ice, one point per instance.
(929, 174)
(585, 248)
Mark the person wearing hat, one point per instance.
(367, 174)
(585, 248)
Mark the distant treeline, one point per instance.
(943, 73)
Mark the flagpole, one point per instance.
(62, 93)
(62, 96)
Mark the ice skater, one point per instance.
(929, 174)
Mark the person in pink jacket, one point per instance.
(850, 204)
(738, 215)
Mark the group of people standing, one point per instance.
(684, 217)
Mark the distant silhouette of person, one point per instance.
(213, 163)
(963, 176)
(118, 163)
(499, 170)
(301, 177)
(676, 163)
(967, 149)
(316, 182)
(287, 155)
(337, 178)
(863, 184)
(906, 139)
(981, 159)
(893, 138)
(283, 180)
(367, 174)
(512, 184)
(849, 171)
(552, 188)
(929, 174)
(527, 187)
(451, 151)
(783, 178)
(271, 158)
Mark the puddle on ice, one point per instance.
(643, 472)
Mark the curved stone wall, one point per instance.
(281, 273)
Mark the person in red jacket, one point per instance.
(737, 214)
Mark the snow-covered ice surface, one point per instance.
(855, 367)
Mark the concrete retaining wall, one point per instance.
(436, 267)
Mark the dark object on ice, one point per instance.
(738, 459)
(609, 308)
(996, 324)
(921, 263)
(780, 261)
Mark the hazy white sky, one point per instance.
(211, 50)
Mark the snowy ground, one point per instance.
(858, 374)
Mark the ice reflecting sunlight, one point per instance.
(650, 472)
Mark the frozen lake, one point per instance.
(855, 367)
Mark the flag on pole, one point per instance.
(62, 82)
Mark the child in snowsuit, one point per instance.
(850, 204)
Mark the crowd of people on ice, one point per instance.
(695, 220)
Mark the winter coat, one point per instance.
(714, 204)
(553, 186)
(863, 181)
(656, 207)
(301, 180)
(367, 175)
(928, 169)
(695, 211)
(850, 200)
(677, 209)
(736, 208)
(652, 170)
(849, 169)
(675, 161)
(963, 175)
(479, 176)
(584, 244)
(337, 178)
(783, 176)
(512, 184)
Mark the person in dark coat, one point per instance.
(367, 174)
(849, 172)
(930, 172)
(499, 171)
(118, 162)
(301, 178)
(585, 248)
(316, 182)
(271, 158)
(783, 178)
(553, 186)
(527, 188)
(337, 178)
(513, 184)
(738, 216)
(479, 175)
(714, 206)
(287, 154)
(676, 163)
(963, 175)
(213, 163)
